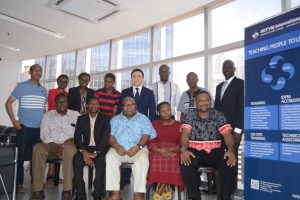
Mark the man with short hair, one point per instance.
(130, 132)
(108, 96)
(143, 96)
(187, 100)
(203, 130)
(166, 91)
(230, 101)
(79, 96)
(32, 97)
(91, 139)
(57, 132)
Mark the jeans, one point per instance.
(26, 138)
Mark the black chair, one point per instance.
(8, 169)
(210, 173)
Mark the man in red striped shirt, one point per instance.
(108, 96)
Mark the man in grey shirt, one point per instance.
(187, 99)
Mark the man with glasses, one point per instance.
(130, 132)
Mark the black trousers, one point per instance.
(79, 185)
(214, 159)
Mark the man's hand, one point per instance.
(133, 150)
(121, 151)
(231, 158)
(69, 141)
(185, 157)
(165, 153)
(16, 124)
(57, 148)
(237, 137)
(88, 158)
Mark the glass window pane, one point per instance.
(68, 63)
(82, 65)
(237, 56)
(50, 85)
(183, 37)
(99, 58)
(41, 61)
(97, 81)
(51, 67)
(132, 51)
(123, 79)
(229, 21)
(295, 3)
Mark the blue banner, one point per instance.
(272, 108)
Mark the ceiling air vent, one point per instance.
(90, 10)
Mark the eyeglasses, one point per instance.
(129, 104)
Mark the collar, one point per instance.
(229, 80)
(140, 88)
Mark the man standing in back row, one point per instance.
(230, 101)
(166, 91)
(32, 98)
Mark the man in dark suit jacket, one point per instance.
(91, 139)
(78, 96)
(230, 101)
(143, 96)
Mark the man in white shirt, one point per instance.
(165, 90)
(57, 132)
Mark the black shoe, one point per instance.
(40, 195)
(66, 195)
(95, 197)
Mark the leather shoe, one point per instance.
(66, 195)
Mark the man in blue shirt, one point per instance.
(32, 98)
(130, 132)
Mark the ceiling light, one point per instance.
(9, 47)
(32, 26)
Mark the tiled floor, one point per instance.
(53, 193)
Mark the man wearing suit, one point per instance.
(143, 96)
(230, 101)
(78, 96)
(91, 139)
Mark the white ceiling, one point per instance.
(135, 15)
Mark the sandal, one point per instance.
(156, 196)
(167, 193)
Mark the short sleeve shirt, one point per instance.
(128, 132)
(32, 100)
(205, 129)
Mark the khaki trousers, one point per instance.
(40, 154)
(139, 169)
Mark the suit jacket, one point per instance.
(146, 104)
(232, 103)
(74, 100)
(101, 132)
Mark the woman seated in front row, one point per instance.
(164, 154)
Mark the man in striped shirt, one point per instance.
(32, 97)
(108, 96)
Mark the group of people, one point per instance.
(105, 128)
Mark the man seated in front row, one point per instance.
(202, 132)
(130, 132)
(57, 132)
(91, 139)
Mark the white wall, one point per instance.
(9, 74)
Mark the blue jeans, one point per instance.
(26, 138)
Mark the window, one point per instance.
(132, 51)
(96, 82)
(295, 3)
(68, 63)
(183, 37)
(99, 58)
(237, 56)
(229, 20)
(51, 67)
(41, 61)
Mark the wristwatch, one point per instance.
(140, 146)
(96, 152)
(182, 149)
